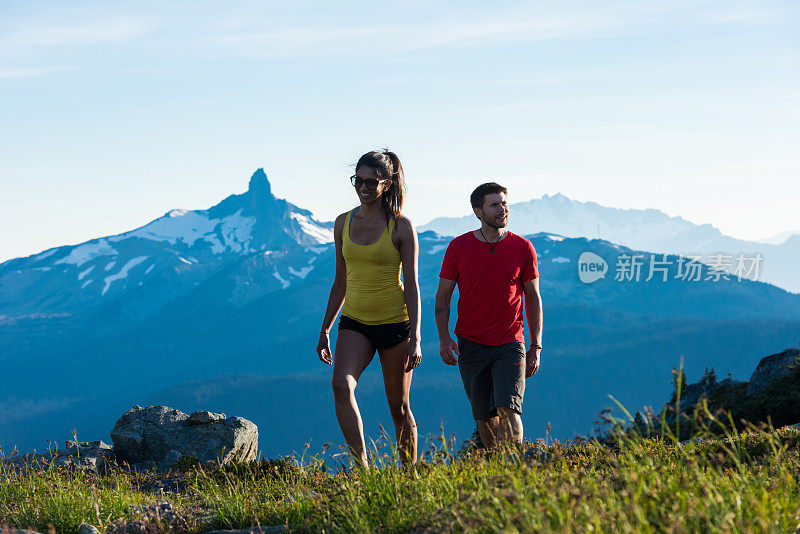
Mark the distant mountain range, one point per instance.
(219, 309)
(168, 258)
(649, 229)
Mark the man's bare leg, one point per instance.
(397, 383)
(351, 356)
(509, 425)
(487, 430)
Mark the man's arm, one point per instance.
(533, 313)
(444, 293)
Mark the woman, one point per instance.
(374, 242)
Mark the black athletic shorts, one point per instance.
(493, 375)
(382, 336)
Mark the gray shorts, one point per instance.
(493, 376)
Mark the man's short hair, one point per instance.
(479, 195)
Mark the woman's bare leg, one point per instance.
(397, 383)
(351, 356)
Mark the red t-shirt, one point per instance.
(490, 293)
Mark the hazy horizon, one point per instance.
(278, 195)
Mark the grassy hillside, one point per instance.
(741, 482)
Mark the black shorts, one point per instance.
(493, 375)
(382, 336)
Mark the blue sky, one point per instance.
(113, 113)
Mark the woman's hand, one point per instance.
(324, 348)
(413, 354)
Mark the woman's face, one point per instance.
(372, 187)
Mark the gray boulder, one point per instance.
(158, 435)
(770, 368)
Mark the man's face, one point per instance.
(494, 211)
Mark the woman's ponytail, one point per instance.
(393, 197)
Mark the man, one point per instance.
(495, 271)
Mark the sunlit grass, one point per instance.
(630, 482)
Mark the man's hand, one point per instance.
(532, 361)
(414, 354)
(446, 349)
(324, 349)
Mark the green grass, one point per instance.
(743, 482)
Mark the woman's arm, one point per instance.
(409, 255)
(336, 298)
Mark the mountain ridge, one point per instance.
(640, 229)
(196, 315)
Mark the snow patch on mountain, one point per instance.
(88, 251)
(186, 226)
(284, 283)
(110, 265)
(233, 232)
(436, 248)
(237, 232)
(322, 235)
(83, 274)
(150, 268)
(302, 273)
(561, 259)
(123, 273)
(46, 254)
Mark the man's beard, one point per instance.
(495, 224)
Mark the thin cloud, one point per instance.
(30, 38)
(400, 38)
(29, 72)
(251, 36)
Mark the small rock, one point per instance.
(87, 448)
(204, 418)
(255, 530)
(84, 463)
(86, 528)
(165, 485)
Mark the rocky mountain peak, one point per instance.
(259, 184)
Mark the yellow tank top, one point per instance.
(374, 292)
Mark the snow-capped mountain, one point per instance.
(173, 253)
(648, 229)
(87, 331)
(779, 239)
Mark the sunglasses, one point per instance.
(371, 183)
